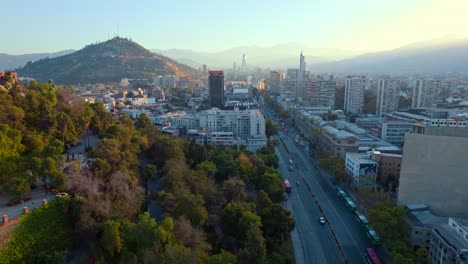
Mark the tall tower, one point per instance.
(216, 89)
(300, 78)
(244, 64)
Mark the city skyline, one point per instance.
(241, 24)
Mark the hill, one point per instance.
(435, 56)
(10, 62)
(108, 61)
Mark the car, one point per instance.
(298, 183)
(290, 168)
(322, 220)
(290, 161)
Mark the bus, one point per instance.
(288, 186)
(373, 237)
(361, 218)
(341, 193)
(351, 205)
(371, 256)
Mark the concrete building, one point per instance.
(434, 169)
(361, 168)
(289, 85)
(247, 125)
(421, 221)
(425, 93)
(394, 131)
(337, 142)
(275, 82)
(387, 96)
(388, 168)
(354, 94)
(319, 93)
(216, 89)
(167, 81)
(449, 242)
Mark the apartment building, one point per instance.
(354, 94)
(387, 96)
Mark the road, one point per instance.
(316, 242)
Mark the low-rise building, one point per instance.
(449, 242)
(337, 142)
(389, 166)
(421, 222)
(361, 168)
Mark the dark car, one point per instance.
(290, 168)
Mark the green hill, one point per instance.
(108, 61)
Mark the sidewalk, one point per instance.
(37, 196)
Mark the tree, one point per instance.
(271, 128)
(234, 190)
(421, 255)
(223, 258)
(111, 240)
(389, 222)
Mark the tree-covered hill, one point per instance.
(109, 61)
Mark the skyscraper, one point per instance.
(387, 96)
(204, 68)
(425, 93)
(300, 93)
(216, 89)
(354, 94)
(244, 63)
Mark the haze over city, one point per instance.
(363, 25)
(234, 132)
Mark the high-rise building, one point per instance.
(244, 63)
(433, 170)
(275, 82)
(289, 84)
(354, 94)
(234, 66)
(319, 93)
(204, 68)
(387, 96)
(425, 93)
(300, 93)
(216, 89)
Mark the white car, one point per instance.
(322, 220)
(290, 161)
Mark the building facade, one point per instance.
(361, 168)
(354, 94)
(337, 142)
(275, 82)
(319, 93)
(387, 96)
(216, 89)
(449, 242)
(388, 168)
(434, 169)
(425, 93)
(394, 131)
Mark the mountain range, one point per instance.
(101, 62)
(108, 61)
(275, 57)
(10, 62)
(446, 54)
(436, 56)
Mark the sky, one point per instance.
(365, 25)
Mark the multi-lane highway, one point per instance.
(341, 239)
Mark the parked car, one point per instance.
(322, 220)
(290, 168)
(290, 161)
(298, 183)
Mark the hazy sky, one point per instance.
(32, 26)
